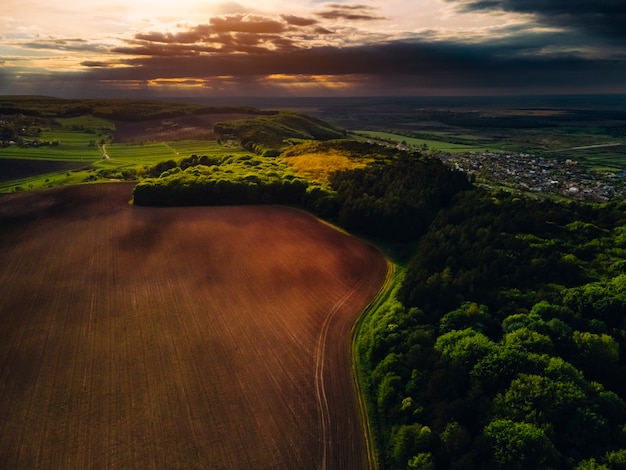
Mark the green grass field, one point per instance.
(415, 142)
(450, 135)
(87, 122)
(140, 153)
(203, 147)
(152, 153)
(74, 146)
(71, 146)
(47, 180)
(599, 159)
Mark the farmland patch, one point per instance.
(176, 338)
(13, 169)
(193, 127)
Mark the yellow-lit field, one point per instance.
(318, 166)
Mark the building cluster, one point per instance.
(538, 174)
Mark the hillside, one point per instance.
(268, 135)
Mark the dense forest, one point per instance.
(395, 199)
(501, 346)
(225, 180)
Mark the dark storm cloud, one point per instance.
(605, 18)
(441, 65)
(244, 50)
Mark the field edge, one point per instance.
(360, 369)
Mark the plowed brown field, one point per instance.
(176, 338)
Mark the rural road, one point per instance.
(320, 376)
(103, 151)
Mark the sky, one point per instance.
(167, 48)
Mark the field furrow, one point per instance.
(176, 338)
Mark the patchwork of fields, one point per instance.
(88, 145)
(194, 127)
(214, 337)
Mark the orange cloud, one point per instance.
(298, 21)
(246, 24)
(232, 34)
(337, 11)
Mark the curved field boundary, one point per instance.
(177, 338)
(360, 371)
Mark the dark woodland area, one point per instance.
(503, 348)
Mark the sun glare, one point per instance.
(191, 11)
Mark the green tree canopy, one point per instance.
(517, 445)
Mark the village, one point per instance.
(527, 172)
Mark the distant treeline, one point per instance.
(268, 135)
(559, 117)
(117, 109)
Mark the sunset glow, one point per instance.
(378, 47)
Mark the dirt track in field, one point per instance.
(176, 338)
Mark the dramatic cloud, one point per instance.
(298, 21)
(403, 66)
(599, 17)
(247, 24)
(314, 47)
(249, 34)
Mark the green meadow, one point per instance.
(89, 123)
(68, 145)
(139, 153)
(440, 145)
(186, 148)
(151, 153)
(124, 162)
(610, 158)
